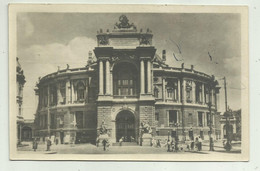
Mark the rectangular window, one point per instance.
(200, 119)
(189, 91)
(198, 92)
(79, 119)
(125, 82)
(157, 116)
(173, 116)
(63, 92)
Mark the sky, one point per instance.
(48, 40)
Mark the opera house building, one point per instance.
(126, 86)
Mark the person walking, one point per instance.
(200, 143)
(97, 141)
(158, 143)
(35, 144)
(104, 142)
(48, 144)
(121, 141)
(197, 143)
(168, 145)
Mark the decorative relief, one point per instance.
(124, 23)
(103, 40)
(119, 55)
(145, 40)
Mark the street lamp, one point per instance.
(168, 144)
(177, 137)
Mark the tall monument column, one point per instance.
(107, 77)
(142, 76)
(101, 79)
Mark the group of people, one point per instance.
(35, 144)
(173, 145)
(195, 145)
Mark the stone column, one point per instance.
(59, 98)
(163, 89)
(142, 76)
(101, 79)
(193, 92)
(149, 76)
(184, 91)
(87, 93)
(179, 91)
(72, 92)
(212, 96)
(107, 77)
(111, 83)
(203, 95)
(67, 91)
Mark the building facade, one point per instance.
(20, 81)
(126, 87)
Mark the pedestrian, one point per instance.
(48, 144)
(104, 142)
(107, 145)
(158, 143)
(35, 144)
(168, 145)
(200, 143)
(197, 143)
(56, 140)
(97, 142)
(173, 146)
(192, 145)
(121, 141)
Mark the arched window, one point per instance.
(172, 89)
(80, 92)
(125, 80)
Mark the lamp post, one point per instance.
(177, 137)
(228, 144)
(211, 143)
(168, 144)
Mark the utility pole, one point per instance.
(228, 144)
(211, 143)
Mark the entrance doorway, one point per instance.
(125, 126)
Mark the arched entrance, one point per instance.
(26, 133)
(125, 126)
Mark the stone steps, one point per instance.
(125, 144)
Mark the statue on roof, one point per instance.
(124, 23)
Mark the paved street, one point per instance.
(91, 149)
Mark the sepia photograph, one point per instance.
(137, 83)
